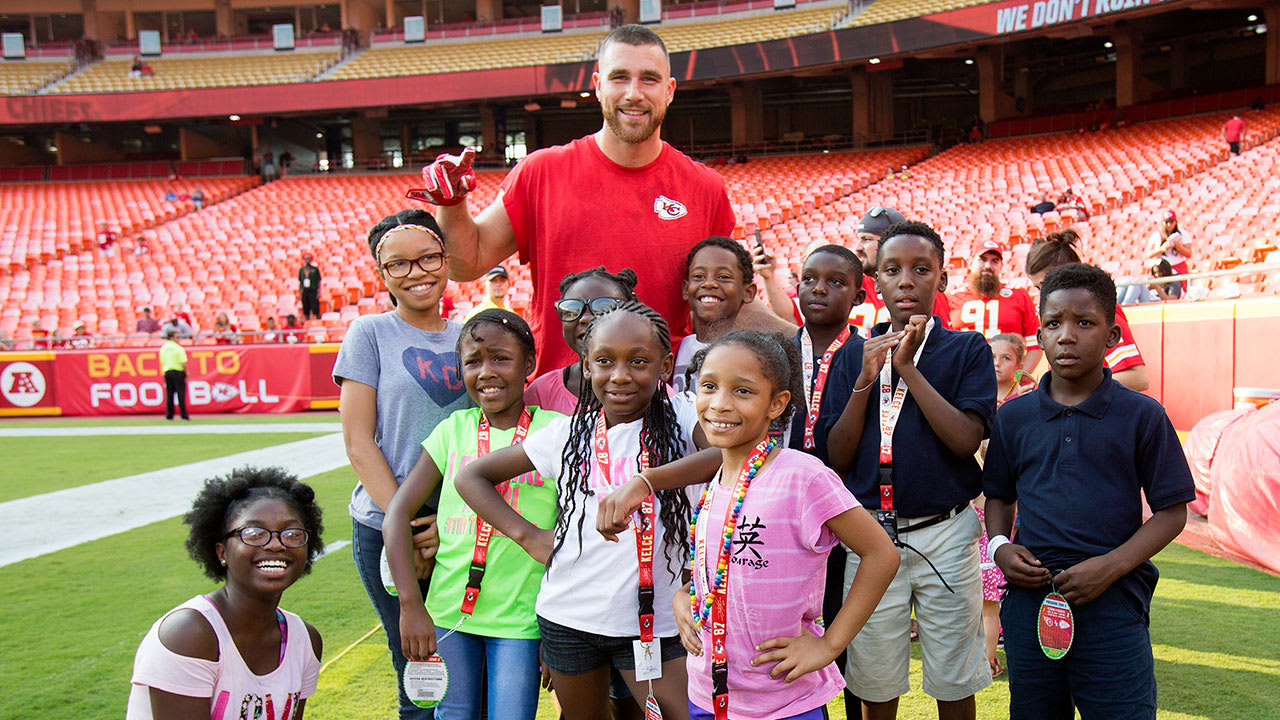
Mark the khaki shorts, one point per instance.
(951, 635)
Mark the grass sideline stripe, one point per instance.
(113, 506)
(350, 647)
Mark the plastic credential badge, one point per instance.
(1056, 627)
(384, 572)
(426, 682)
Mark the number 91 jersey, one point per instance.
(1010, 311)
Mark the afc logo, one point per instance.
(669, 209)
(22, 384)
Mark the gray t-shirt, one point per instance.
(416, 375)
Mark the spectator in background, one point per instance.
(147, 323)
(184, 314)
(268, 168)
(286, 161)
(224, 331)
(309, 287)
(135, 70)
(80, 338)
(140, 246)
(1172, 243)
(269, 334)
(496, 284)
(1233, 132)
(1071, 205)
(173, 363)
(1043, 206)
(197, 198)
(1154, 292)
(181, 328)
(985, 305)
(293, 332)
(106, 238)
(39, 336)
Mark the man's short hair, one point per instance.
(635, 35)
(1079, 275)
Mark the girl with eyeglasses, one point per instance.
(583, 296)
(234, 652)
(399, 377)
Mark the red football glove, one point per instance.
(448, 179)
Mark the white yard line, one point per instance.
(40, 524)
(178, 429)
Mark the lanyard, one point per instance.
(824, 367)
(644, 533)
(484, 531)
(715, 592)
(891, 401)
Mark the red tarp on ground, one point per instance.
(1202, 445)
(1244, 493)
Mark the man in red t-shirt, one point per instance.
(106, 239)
(871, 228)
(1233, 133)
(620, 197)
(986, 306)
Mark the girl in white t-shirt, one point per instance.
(604, 604)
(234, 653)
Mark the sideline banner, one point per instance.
(220, 379)
(26, 384)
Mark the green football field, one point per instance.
(72, 619)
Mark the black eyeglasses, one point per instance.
(572, 309)
(430, 262)
(261, 537)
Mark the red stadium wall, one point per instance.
(1197, 353)
(220, 379)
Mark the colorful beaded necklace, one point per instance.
(749, 469)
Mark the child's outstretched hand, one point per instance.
(874, 353)
(1020, 566)
(690, 636)
(1085, 581)
(912, 338)
(796, 656)
(617, 508)
(417, 633)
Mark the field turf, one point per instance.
(72, 619)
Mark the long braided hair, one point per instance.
(659, 438)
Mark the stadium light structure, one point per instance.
(584, 94)
(532, 106)
(1252, 18)
(968, 61)
(874, 61)
(1108, 44)
(234, 118)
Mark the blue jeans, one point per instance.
(1108, 673)
(511, 666)
(366, 547)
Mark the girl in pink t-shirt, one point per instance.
(760, 539)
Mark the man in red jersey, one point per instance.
(621, 197)
(988, 307)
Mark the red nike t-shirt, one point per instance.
(572, 208)
(1011, 311)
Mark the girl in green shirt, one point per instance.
(479, 611)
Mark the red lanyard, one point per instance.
(891, 401)
(484, 531)
(719, 623)
(644, 534)
(824, 367)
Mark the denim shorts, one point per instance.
(574, 652)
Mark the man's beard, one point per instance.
(634, 137)
(986, 284)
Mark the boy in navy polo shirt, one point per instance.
(941, 385)
(1076, 456)
(830, 287)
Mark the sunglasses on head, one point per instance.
(571, 309)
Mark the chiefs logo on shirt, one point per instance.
(669, 209)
